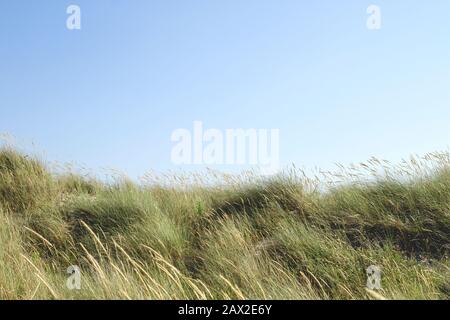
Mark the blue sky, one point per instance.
(110, 95)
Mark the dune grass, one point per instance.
(284, 237)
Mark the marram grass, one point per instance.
(284, 237)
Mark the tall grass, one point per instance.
(285, 237)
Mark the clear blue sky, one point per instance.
(110, 94)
